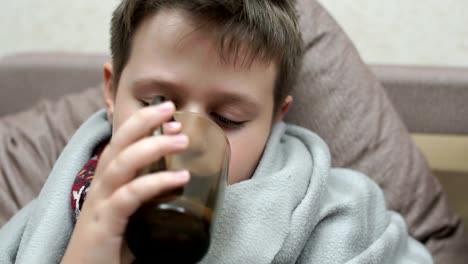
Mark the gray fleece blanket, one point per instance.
(295, 209)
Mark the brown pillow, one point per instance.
(338, 98)
(32, 140)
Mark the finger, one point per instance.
(172, 128)
(141, 124)
(124, 167)
(137, 126)
(128, 198)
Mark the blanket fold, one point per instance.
(295, 209)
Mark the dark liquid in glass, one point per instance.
(169, 235)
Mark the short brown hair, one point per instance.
(269, 29)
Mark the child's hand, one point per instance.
(115, 194)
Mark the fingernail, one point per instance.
(181, 140)
(174, 125)
(166, 107)
(182, 175)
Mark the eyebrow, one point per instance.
(151, 83)
(168, 86)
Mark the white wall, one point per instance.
(393, 31)
(406, 31)
(59, 25)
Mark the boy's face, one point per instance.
(173, 57)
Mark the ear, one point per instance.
(287, 103)
(109, 90)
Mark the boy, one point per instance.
(232, 61)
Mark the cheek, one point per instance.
(125, 107)
(246, 151)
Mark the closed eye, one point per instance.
(227, 123)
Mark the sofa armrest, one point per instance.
(29, 77)
(429, 99)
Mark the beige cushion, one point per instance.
(337, 97)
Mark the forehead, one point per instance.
(172, 46)
(180, 26)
